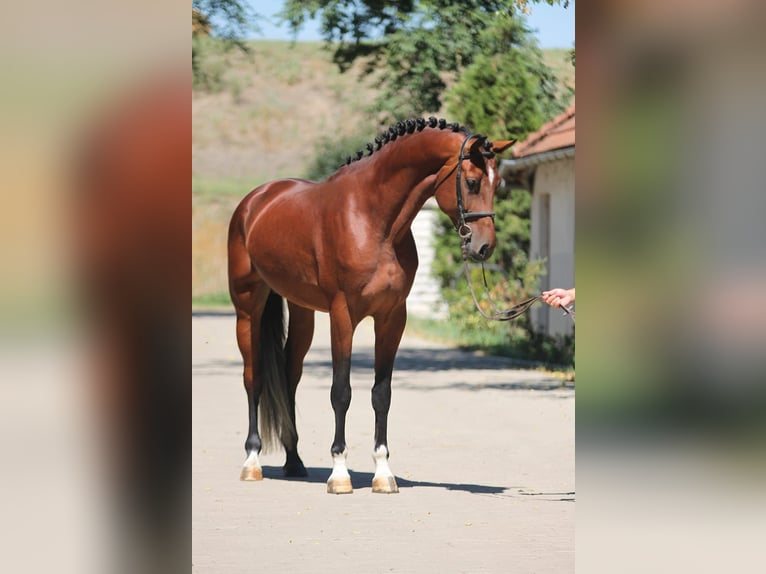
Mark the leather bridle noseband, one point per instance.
(463, 217)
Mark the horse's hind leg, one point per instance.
(388, 334)
(249, 310)
(300, 333)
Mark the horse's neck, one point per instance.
(405, 180)
(402, 218)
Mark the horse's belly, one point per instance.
(297, 290)
(311, 298)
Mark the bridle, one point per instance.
(463, 217)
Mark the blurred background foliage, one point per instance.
(508, 89)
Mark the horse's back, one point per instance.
(262, 195)
(256, 203)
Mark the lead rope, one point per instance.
(497, 314)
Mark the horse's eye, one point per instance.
(472, 185)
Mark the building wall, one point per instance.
(425, 297)
(552, 224)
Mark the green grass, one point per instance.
(212, 301)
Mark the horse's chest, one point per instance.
(388, 279)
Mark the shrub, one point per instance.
(331, 152)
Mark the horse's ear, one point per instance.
(501, 146)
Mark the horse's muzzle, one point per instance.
(483, 253)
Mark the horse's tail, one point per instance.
(277, 425)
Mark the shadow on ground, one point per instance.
(364, 480)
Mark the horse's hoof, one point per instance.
(251, 473)
(339, 486)
(384, 485)
(295, 470)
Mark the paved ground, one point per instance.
(483, 454)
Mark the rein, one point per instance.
(465, 233)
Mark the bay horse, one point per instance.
(344, 246)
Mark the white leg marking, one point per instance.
(252, 460)
(384, 480)
(380, 456)
(339, 469)
(251, 470)
(339, 481)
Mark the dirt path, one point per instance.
(483, 454)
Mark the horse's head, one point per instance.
(465, 191)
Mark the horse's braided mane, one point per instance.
(405, 127)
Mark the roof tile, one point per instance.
(556, 134)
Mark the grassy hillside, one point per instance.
(275, 104)
(560, 61)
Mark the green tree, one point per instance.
(217, 27)
(231, 20)
(414, 47)
(507, 90)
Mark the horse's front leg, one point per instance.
(341, 335)
(388, 334)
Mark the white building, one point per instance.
(544, 164)
(425, 298)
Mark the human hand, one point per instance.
(559, 297)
